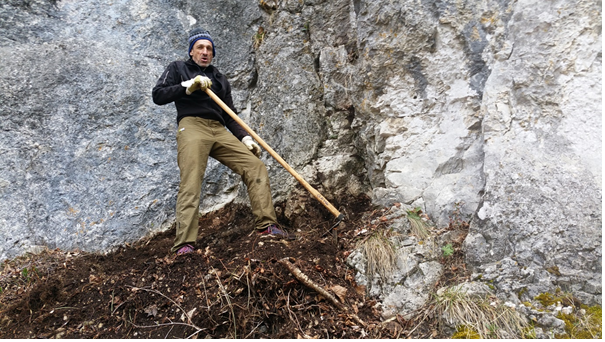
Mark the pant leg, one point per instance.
(194, 143)
(235, 155)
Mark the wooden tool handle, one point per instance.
(279, 159)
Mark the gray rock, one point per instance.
(552, 322)
(542, 202)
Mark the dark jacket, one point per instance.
(198, 104)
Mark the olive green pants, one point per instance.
(196, 140)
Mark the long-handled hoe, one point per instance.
(315, 193)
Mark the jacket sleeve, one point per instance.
(168, 88)
(231, 124)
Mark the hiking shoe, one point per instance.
(185, 249)
(273, 231)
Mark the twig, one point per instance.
(247, 268)
(206, 294)
(426, 313)
(168, 333)
(258, 325)
(220, 285)
(117, 307)
(295, 320)
(112, 297)
(195, 333)
(314, 286)
(168, 324)
(66, 307)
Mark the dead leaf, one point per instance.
(190, 313)
(340, 291)
(151, 310)
(189, 316)
(360, 289)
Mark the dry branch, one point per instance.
(222, 288)
(298, 274)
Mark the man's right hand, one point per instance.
(199, 82)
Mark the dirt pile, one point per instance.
(235, 285)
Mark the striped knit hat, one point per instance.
(197, 34)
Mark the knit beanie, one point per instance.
(197, 34)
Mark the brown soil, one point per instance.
(232, 286)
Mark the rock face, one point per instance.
(492, 107)
(542, 128)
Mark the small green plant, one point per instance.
(25, 273)
(447, 250)
(28, 274)
(258, 37)
(529, 332)
(521, 293)
(306, 27)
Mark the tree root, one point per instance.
(298, 274)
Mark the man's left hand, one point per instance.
(251, 145)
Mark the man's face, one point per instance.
(202, 52)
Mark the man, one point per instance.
(201, 133)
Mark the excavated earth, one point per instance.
(232, 286)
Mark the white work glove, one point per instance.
(199, 82)
(251, 145)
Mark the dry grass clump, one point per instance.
(418, 222)
(380, 254)
(474, 314)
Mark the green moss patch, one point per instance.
(464, 332)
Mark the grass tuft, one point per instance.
(418, 222)
(483, 316)
(380, 253)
